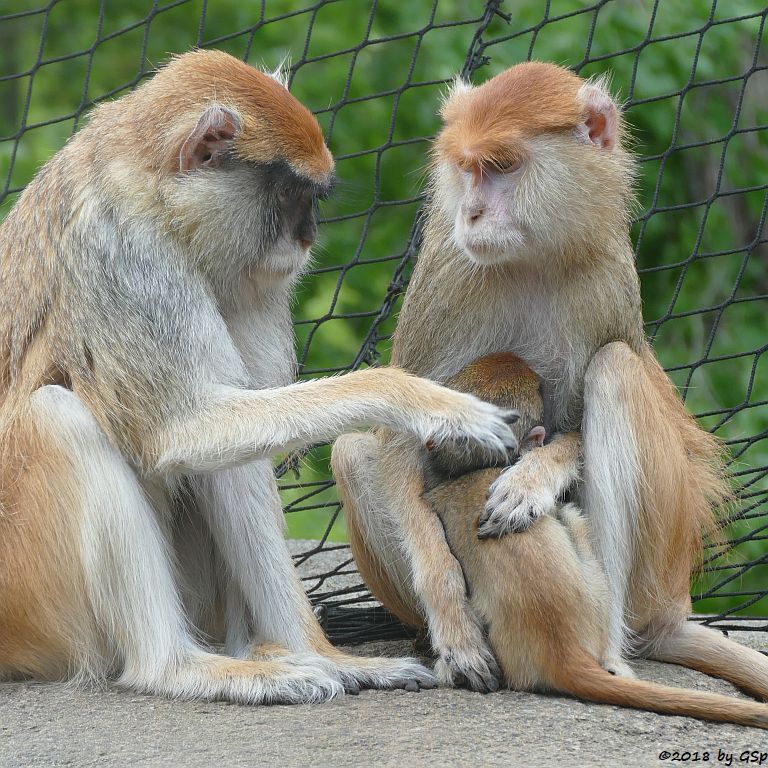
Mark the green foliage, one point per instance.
(701, 189)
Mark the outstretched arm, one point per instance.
(233, 426)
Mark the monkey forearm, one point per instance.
(556, 464)
(236, 426)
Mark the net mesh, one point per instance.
(693, 77)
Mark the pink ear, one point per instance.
(600, 122)
(210, 139)
(535, 438)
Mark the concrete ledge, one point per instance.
(54, 725)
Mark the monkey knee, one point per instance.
(609, 359)
(353, 453)
(611, 379)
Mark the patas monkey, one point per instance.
(526, 249)
(146, 356)
(541, 593)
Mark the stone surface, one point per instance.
(56, 725)
(53, 725)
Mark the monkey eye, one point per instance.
(506, 165)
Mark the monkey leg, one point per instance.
(639, 492)
(374, 533)
(266, 601)
(406, 557)
(199, 570)
(86, 584)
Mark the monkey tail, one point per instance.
(706, 650)
(584, 678)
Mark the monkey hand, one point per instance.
(465, 420)
(515, 500)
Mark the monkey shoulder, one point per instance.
(144, 313)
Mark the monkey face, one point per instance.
(485, 225)
(289, 204)
(530, 165)
(256, 216)
(247, 166)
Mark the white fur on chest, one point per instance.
(260, 327)
(530, 321)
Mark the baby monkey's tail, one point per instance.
(584, 678)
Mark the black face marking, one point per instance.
(292, 199)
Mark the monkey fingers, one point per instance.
(531, 487)
(514, 503)
(357, 672)
(475, 423)
(406, 674)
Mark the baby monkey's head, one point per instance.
(505, 380)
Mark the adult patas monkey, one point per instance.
(526, 249)
(145, 345)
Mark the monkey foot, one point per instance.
(475, 669)
(356, 672)
(513, 506)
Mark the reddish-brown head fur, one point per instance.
(274, 124)
(484, 126)
(506, 380)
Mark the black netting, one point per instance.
(694, 79)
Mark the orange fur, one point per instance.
(485, 126)
(276, 126)
(541, 592)
(545, 611)
(43, 613)
(539, 262)
(375, 576)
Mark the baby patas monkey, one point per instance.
(542, 593)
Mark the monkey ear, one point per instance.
(534, 439)
(600, 115)
(210, 139)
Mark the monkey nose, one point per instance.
(474, 213)
(305, 244)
